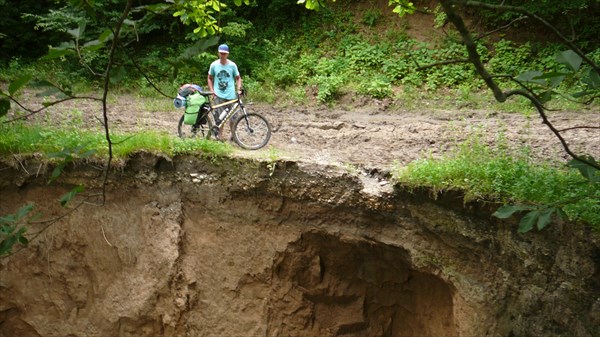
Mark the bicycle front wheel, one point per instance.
(251, 131)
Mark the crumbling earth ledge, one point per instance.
(191, 246)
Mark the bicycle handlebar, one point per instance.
(209, 93)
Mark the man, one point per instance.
(224, 81)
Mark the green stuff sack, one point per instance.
(192, 107)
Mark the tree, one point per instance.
(535, 86)
(107, 28)
(100, 28)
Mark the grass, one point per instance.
(487, 174)
(27, 139)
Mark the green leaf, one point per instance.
(93, 45)
(527, 222)
(117, 74)
(10, 218)
(56, 53)
(56, 173)
(562, 214)
(4, 106)
(581, 94)
(105, 36)
(156, 8)
(587, 171)
(65, 198)
(50, 91)
(545, 217)
(202, 45)
(592, 79)
(7, 244)
(77, 32)
(507, 211)
(5, 229)
(570, 59)
(545, 97)
(24, 210)
(23, 240)
(554, 77)
(531, 76)
(87, 153)
(18, 84)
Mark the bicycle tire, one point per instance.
(186, 131)
(251, 131)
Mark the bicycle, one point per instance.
(250, 130)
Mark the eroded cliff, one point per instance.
(234, 247)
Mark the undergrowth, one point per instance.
(495, 175)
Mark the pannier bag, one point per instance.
(192, 108)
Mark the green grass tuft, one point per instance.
(495, 175)
(27, 139)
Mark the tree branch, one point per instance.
(111, 56)
(442, 63)
(501, 96)
(47, 105)
(481, 36)
(516, 9)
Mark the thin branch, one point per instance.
(521, 10)
(529, 90)
(579, 127)
(46, 106)
(481, 36)
(48, 223)
(472, 49)
(546, 121)
(441, 63)
(113, 47)
(501, 96)
(136, 65)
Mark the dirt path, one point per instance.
(375, 137)
(371, 136)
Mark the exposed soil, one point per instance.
(368, 133)
(187, 246)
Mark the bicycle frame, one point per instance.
(237, 105)
(250, 130)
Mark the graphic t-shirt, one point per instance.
(224, 78)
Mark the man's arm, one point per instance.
(238, 80)
(209, 80)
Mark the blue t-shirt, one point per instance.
(224, 78)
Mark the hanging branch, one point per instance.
(500, 95)
(506, 8)
(32, 112)
(111, 55)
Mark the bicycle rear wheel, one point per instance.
(190, 131)
(251, 131)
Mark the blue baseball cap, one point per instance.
(224, 48)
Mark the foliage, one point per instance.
(564, 15)
(325, 50)
(203, 13)
(487, 174)
(70, 143)
(13, 229)
(371, 17)
(378, 87)
(18, 36)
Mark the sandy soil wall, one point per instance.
(198, 247)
